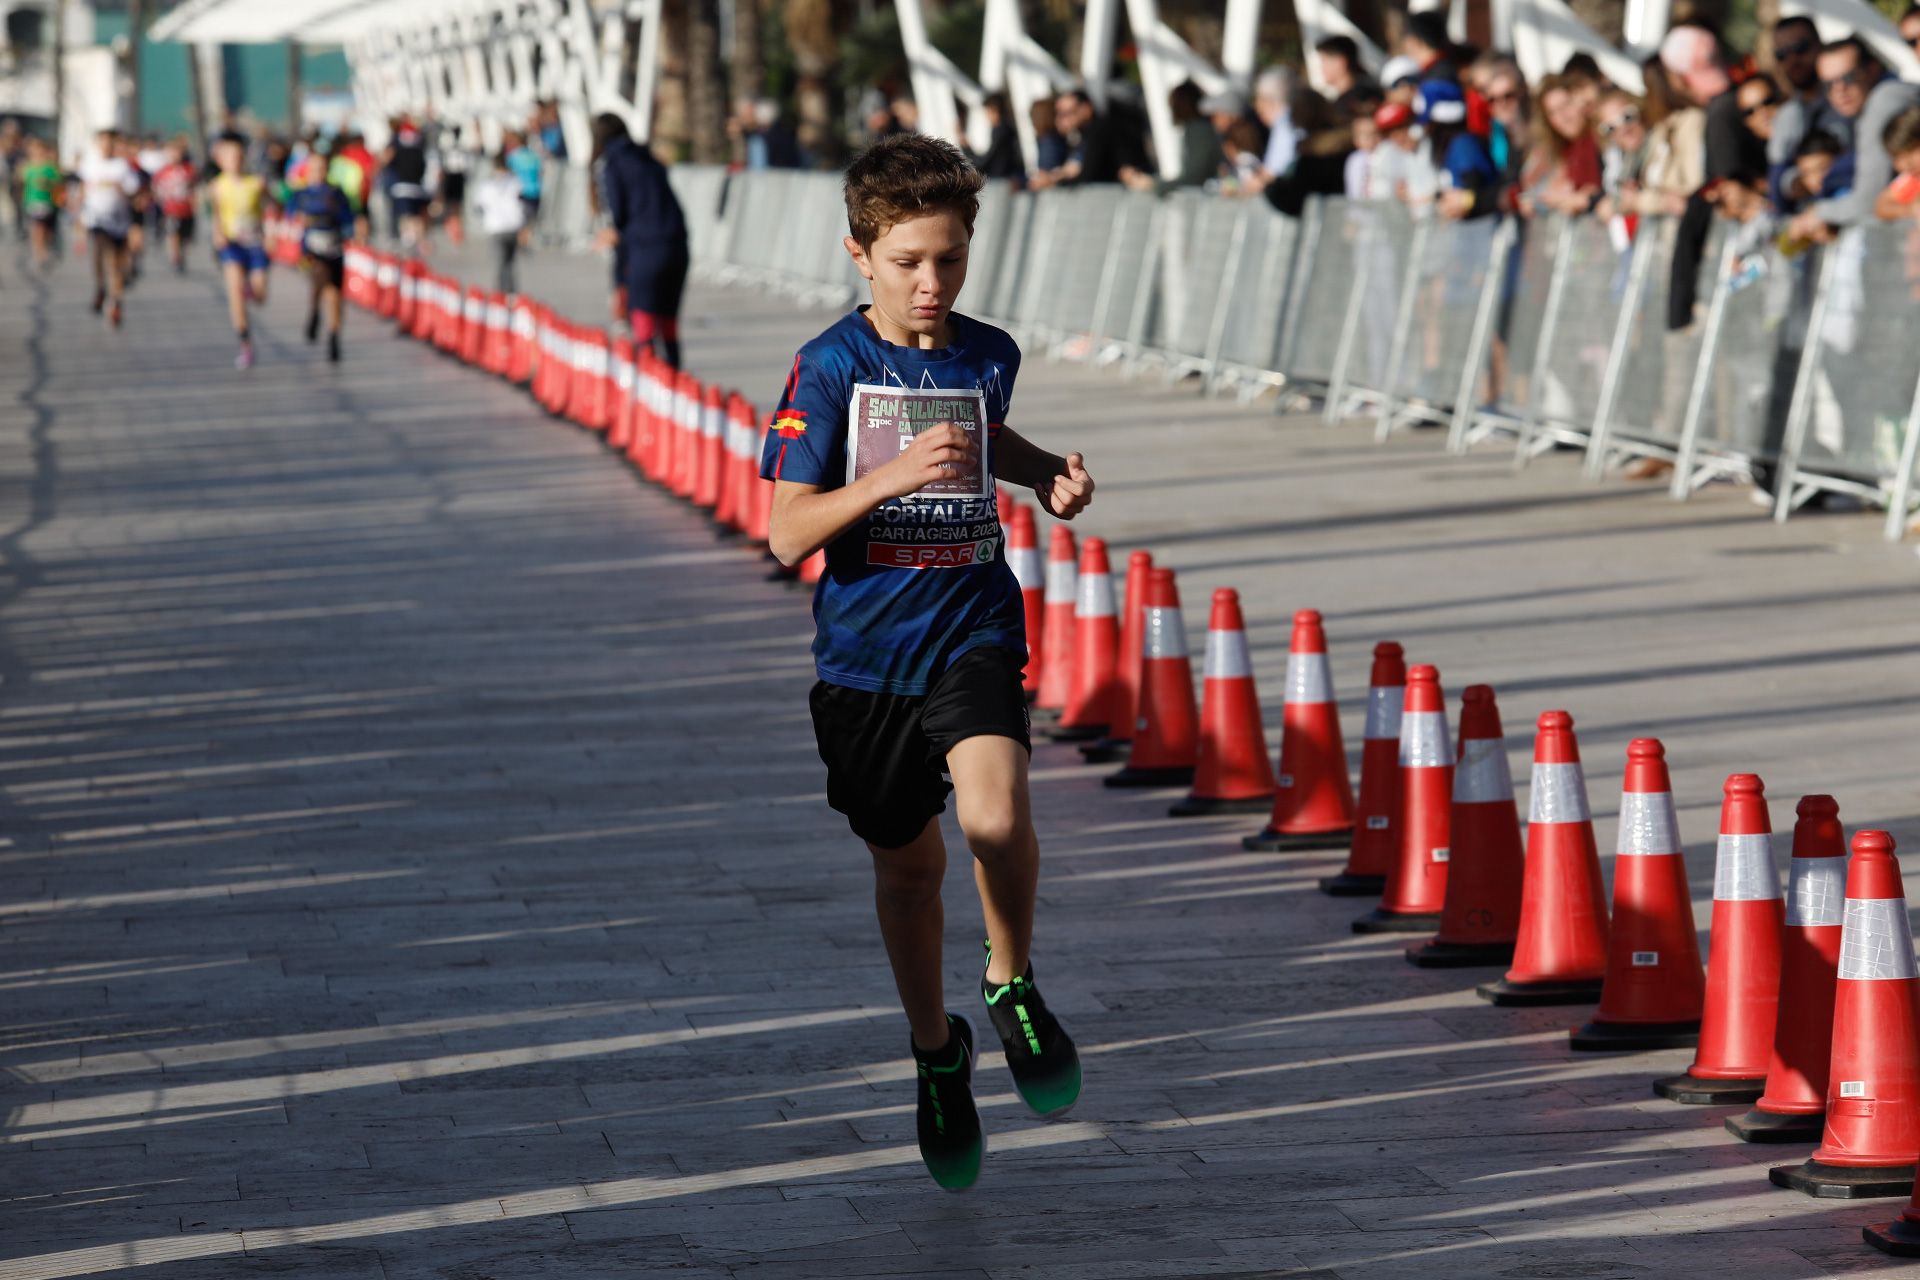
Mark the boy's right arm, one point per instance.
(807, 517)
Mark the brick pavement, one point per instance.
(413, 863)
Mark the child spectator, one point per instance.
(1901, 199)
(503, 216)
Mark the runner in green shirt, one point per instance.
(40, 198)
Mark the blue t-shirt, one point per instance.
(525, 165)
(326, 218)
(881, 627)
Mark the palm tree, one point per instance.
(706, 84)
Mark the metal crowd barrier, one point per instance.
(1793, 370)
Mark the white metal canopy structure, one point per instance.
(478, 64)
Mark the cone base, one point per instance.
(1899, 1237)
(1698, 1092)
(1515, 995)
(1201, 806)
(1106, 751)
(1843, 1182)
(1173, 775)
(1077, 732)
(1269, 840)
(1381, 920)
(1348, 885)
(1774, 1126)
(1617, 1037)
(1460, 955)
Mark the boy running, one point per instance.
(238, 202)
(173, 191)
(108, 183)
(920, 638)
(40, 190)
(325, 216)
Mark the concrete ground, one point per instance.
(414, 860)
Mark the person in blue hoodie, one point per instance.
(1468, 182)
(646, 231)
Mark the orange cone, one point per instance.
(1063, 588)
(1417, 882)
(686, 444)
(1002, 503)
(620, 413)
(1872, 1136)
(498, 349)
(1126, 685)
(1313, 805)
(1482, 911)
(525, 318)
(1794, 1106)
(1165, 730)
(645, 448)
(726, 508)
(1743, 958)
(1376, 826)
(1096, 644)
(1232, 774)
(813, 568)
(713, 428)
(1654, 988)
(1023, 557)
(1560, 954)
(473, 329)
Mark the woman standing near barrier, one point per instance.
(647, 232)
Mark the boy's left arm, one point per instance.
(1062, 484)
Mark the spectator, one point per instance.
(1049, 147)
(1910, 28)
(1002, 157)
(1243, 144)
(1468, 185)
(547, 129)
(1621, 130)
(524, 163)
(1393, 171)
(1803, 106)
(1091, 156)
(1860, 89)
(1760, 101)
(1566, 174)
(647, 231)
(1222, 111)
(1697, 66)
(1272, 96)
(1901, 199)
(1675, 164)
(1338, 60)
(1510, 132)
(906, 113)
(1200, 157)
(1426, 43)
(1358, 171)
(352, 154)
(1822, 166)
(1320, 166)
(13, 163)
(1400, 80)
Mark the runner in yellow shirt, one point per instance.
(237, 201)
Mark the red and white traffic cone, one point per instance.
(499, 335)
(1376, 820)
(1560, 955)
(520, 362)
(1062, 596)
(1654, 988)
(1482, 911)
(1417, 883)
(1029, 570)
(1313, 800)
(1743, 958)
(1232, 774)
(713, 427)
(1872, 1138)
(687, 433)
(1794, 1106)
(1096, 644)
(1166, 743)
(726, 510)
(1126, 685)
(620, 414)
(473, 329)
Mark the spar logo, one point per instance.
(913, 555)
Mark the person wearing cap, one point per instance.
(1391, 170)
(1400, 80)
(1468, 182)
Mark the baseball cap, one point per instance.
(1441, 102)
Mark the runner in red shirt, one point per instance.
(176, 187)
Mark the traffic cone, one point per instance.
(726, 507)
(713, 427)
(1901, 1237)
(1376, 826)
(1232, 774)
(1023, 556)
(1794, 1106)
(813, 568)
(1126, 684)
(644, 449)
(1096, 642)
(1872, 1136)
(1417, 882)
(1062, 592)
(1743, 958)
(1654, 988)
(1560, 954)
(620, 414)
(1002, 503)
(520, 362)
(1313, 802)
(1482, 911)
(473, 330)
(1165, 733)
(499, 351)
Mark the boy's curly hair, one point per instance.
(905, 176)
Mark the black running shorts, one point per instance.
(886, 753)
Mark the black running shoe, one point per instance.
(1040, 1054)
(313, 328)
(950, 1138)
(333, 348)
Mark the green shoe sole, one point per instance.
(1053, 1097)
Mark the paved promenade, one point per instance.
(412, 862)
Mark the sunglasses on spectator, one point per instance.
(1770, 101)
(1856, 78)
(1793, 49)
(1511, 95)
(1627, 118)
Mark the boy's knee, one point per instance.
(908, 883)
(994, 828)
